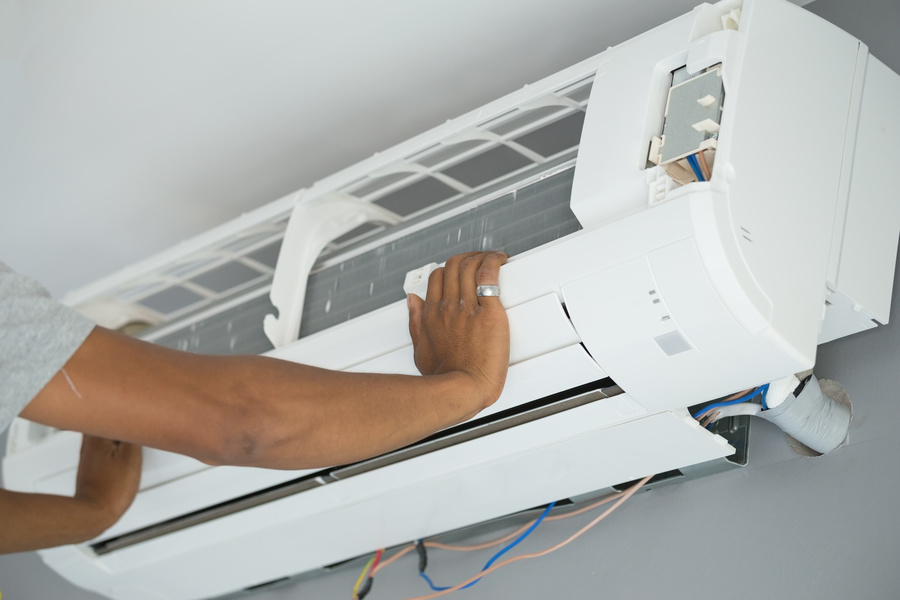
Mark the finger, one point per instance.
(415, 304)
(435, 286)
(489, 274)
(467, 271)
(451, 277)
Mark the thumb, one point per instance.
(415, 305)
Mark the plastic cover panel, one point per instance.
(519, 221)
(515, 222)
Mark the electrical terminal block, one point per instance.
(686, 148)
(683, 173)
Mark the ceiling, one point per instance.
(126, 127)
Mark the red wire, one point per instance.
(375, 564)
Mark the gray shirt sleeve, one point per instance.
(37, 337)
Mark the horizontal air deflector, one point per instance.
(471, 430)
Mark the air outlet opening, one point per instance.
(267, 584)
(658, 478)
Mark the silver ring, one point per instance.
(487, 290)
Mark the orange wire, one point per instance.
(515, 533)
(497, 542)
(574, 536)
(600, 502)
(385, 563)
(490, 544)
(704, 167)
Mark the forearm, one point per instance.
(264, 412)
(34, 521)
(246, 410)
(312, 417)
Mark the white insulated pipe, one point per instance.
(812, 418)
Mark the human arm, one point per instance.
(260, 411)
(108, 476)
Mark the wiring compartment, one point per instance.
(686, 148)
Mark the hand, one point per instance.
(453, 330)
(108, 477)
(109, 474)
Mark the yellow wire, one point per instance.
(362, 576)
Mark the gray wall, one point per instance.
(784, 526)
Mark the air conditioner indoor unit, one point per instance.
(688, 214)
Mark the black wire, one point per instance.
(423, 556)
(365, 589)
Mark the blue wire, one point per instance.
(695, 165)
(431, 583)
(760, 391)
(692, 160)
(494, 558)
(515, 542)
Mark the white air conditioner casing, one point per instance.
(678, 293)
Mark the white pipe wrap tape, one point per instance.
(780, 389)
(812, 418)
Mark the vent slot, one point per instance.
(484, 168)
(267, 255)
(556, 137)
(226, 277)
(171, 299)
(415, 197)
